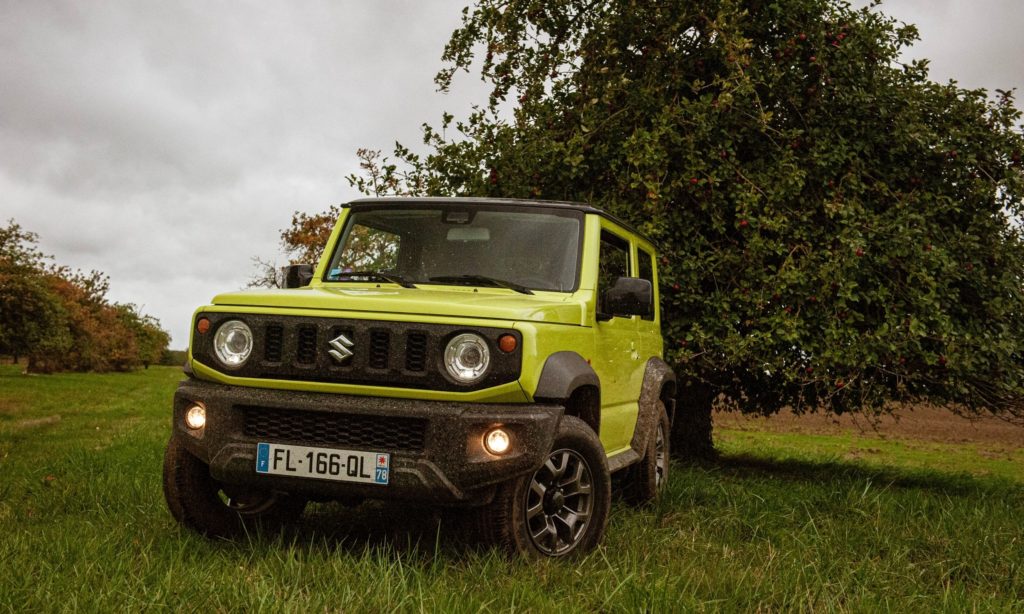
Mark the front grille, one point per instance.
(273, 346)
(416, 351)
(371, 352)
(305, 353)
(374, 433)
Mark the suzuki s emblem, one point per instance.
(341, 351)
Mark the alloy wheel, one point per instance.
(559, 503)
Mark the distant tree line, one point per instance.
(61, 320)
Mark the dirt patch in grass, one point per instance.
(10, 408)
(37, 422)
(917, 422)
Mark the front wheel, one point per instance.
(205, 505)
(559, 510)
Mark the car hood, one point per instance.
(456, 301)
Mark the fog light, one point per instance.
(195, 417)
(497, 441)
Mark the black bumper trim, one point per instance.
(452, 466)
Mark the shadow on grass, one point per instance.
(421, 531)
(424, 533)
(748, 465)
(416, 530)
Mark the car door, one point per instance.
(616, 346)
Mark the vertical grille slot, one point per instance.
(305, 353)
(416, 351)
(273, 343)
(380, 346)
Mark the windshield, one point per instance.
(512, 247)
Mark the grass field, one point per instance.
(785, 521)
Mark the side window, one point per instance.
(369, 249)
(613, 263)
(646, 262)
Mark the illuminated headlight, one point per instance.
(497, 441)
(195, 417)
(467, 358)
(233, 343)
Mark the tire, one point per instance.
(650, 475)
(202, 504)
(559, 510)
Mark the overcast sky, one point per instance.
(166, 143)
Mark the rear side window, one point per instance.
(646, 262)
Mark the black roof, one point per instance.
(506, 202)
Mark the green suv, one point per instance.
(501, 356)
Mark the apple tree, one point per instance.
(838, 233)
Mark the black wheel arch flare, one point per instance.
(566, 372)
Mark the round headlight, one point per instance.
(467, 357)
(233, 343)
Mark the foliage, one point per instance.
(150, 339)
(31, 315)
(173, 358)
(62, 320)
(308, 234)
(379, 177)
(837, 231)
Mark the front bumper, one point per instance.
(447, 464)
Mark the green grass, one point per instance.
(782, 522)
(873, 452)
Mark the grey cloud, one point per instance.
(977, 43)
(167, 143)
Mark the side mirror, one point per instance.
(297, 275)
(629, 296)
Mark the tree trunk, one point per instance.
(691, 431)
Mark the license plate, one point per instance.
(323, 463)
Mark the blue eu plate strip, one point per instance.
(262, 458)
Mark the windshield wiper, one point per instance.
(388, 277)
(477, 279)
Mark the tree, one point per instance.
(838, 232)
(31, 314)
(61, 319)
(150, 339)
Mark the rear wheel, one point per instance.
(205, 505)
(559, 510)
(650, 475)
